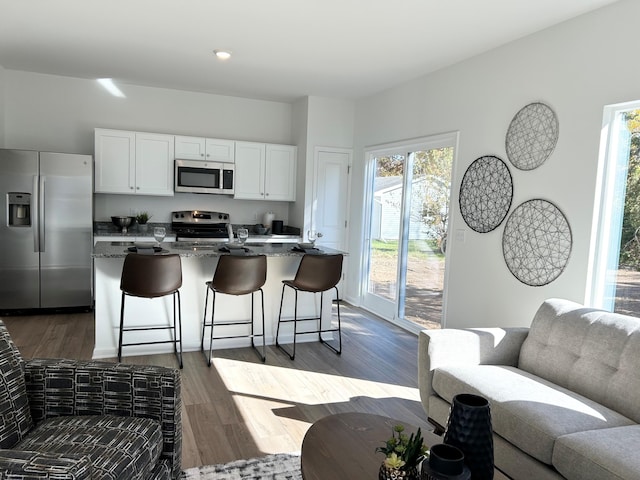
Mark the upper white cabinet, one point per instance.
(197, 148)
(133, 162)
(249, 181)
(115, 165)
(280, 172)
(265, 172)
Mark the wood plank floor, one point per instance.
(241, 408)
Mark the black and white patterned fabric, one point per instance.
(19, 465)
(93, 419)
(119, 447)
(15, 416)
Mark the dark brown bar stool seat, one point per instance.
(316, 274)
(152, 276)
(236, 275)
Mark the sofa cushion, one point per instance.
(162, 471)
(609, 454)
(119, 447)
(527, 410)
(591, 352)
(15, 415)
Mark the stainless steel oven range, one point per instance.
(200, 225)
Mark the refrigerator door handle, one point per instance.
(35, 225)
(41, 214)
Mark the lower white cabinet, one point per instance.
(265, 172)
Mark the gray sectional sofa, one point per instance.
(564, 393)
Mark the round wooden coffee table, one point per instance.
(344, 446)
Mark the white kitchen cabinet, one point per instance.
(133, 163)
(265, 172)
(115, 152)
(249, 174)
(154, 164)
(280, 173)
(197, 148)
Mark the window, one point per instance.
(615, 272)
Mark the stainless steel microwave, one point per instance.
(193, 176)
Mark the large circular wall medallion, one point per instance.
(532, 136)
(536, 242)
(485, 193)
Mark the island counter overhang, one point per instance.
(198, 265)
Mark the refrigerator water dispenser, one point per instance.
(19, 209)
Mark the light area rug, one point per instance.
(279, 466)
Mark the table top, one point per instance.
(119, 249)
(344, 446)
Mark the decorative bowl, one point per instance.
(122, 222)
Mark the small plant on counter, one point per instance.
(142, 218)
(403, 455)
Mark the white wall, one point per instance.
(47, 112)
(300, 128)
(576, 68)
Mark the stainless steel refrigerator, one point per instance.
(46, 224)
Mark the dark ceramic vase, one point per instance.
(469, 429)
(393, 474)
(446, 462)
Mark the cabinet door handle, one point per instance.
(137, 188)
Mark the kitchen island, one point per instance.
(199, 260)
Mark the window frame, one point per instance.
(607, 223)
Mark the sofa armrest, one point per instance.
(473, 346)
(73, 387)
(27, 465)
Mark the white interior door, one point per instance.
(331, 197)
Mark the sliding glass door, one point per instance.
(408, 208)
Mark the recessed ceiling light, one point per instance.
(222, 54)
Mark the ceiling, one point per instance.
(282, 49)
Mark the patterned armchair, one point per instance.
(68, 419)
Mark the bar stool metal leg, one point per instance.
(292, 355)
(337, 350)
(204, 320)
(179, 338)
(264, 344)
(121, 328)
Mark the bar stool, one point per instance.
(316, 274)
(236, 275)
(152, 276)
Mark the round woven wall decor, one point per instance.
(536, 242)
(486, 193)
(532, 136)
